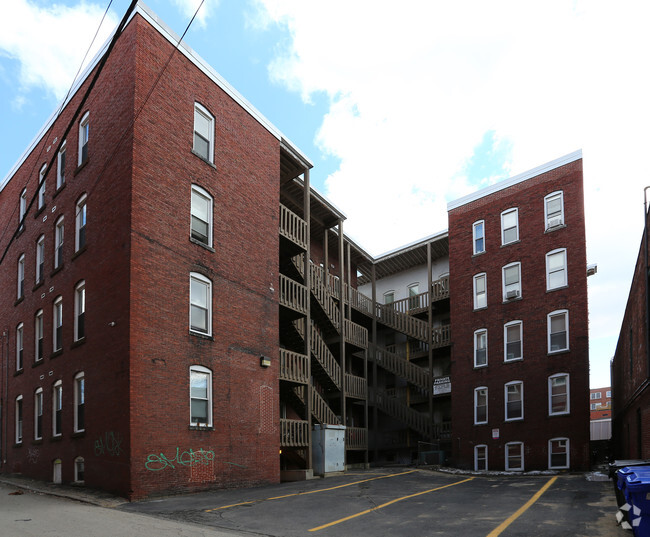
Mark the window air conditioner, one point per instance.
(512, 294)
(556, 221)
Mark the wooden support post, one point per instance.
(308, 409)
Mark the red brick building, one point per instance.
(600, 403)
(520, 361)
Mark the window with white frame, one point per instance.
(79, 470)
(19, 419)
(558, 453)
(60, 166)
(200, 396)
(608, 393)
(201, 227)
(80, 224)
(79, 402)
(478, 232)
(556, 270)
(38, 336)
(514, 396)
(515, 456)
(558, 331)
(594, 395)
(200, 304)
(389, 297)
(41, 188)
(20, 344)
(509, 226)
(513, 339)
(80, 311)
(413, 292)
(38, 414)
(480, 291)
(558, 394)
(554, 210)
(22, 206)
(40, 259)
(480, 458)
(57, 407)
(480, 405)
(511, 281)
(84, 136)
(58, 242)
(21, 277)
(480, 348)
(57, 324)
(595, 406)
(203, 133)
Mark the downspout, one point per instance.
(647, 295)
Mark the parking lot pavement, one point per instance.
(408, 502)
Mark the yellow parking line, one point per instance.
(522, 509)
(387, 504)
(309, 492)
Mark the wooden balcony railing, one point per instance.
(322, 353)
(356, 334)
(408, 395)
(356, 386)
(441, 337)
(293, 295)
(409, 349)
(356, 438)
(294, 433)
(358, 301)
(402, 322)
(411, 418)
(440, 289)
(294, 367)
(293, 227)
(412, 304)
(324, 297)
(442, 431)
(402, 368)
(321, 410)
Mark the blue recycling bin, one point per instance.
(637, 495)
(623, 477)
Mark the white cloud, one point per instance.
(414, 86)
(189, 7)
(50, 48)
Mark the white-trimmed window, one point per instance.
(203, 133)
(478, 234)
(80, 311)
(608, 393)
(413, 292)
(22, 206)
(38, 336)
(480, 458)
(514, 397)
(60, 166)
(200, 304)
(200, 396)
(554, 210)
(389, 297)
(558, 453)
(38, 414)
(84, 136)
(558, 394)
(515, 456)
(40, 259)
(59, 230)
(511, 277)
(79, 402)
(594, 395)
(556, 270)
(513, 341)
(80, 224)
(41, 188)
(595, 406)
(57, 324)
(480, 405)
(509, 226)
(558, 331)
(57, 407)
(480, 291)
(201, 226)
(480, 348)
(20, 344)
(79, 470)
(21, 277)
(19, 420)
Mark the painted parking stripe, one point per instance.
(308, 492)
(499, 530)
(387, 504)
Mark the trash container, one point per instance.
(624, 464)
(637, 493)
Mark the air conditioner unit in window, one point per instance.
(512, 294)
(556, 221)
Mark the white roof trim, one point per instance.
(192, 56)
(411, 245)
(566, 159)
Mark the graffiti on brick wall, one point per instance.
(110, 443)
(32, 455)
(159, 461)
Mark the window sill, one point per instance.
(199, 156)
(481, 308)
(56, 270)
(58, 190)
(79, 252)
(79, 434)
(557, 288)
(40, 210)
(37, 441)
(81, 167)
(18, 444)
(78, 343)
(19, 300)
(21, 230)
(201, 336)
(202, 244)
(513, 420)
(56, 438)
(56, 353)
(559, 414)
(38, 362)
(483, 366)
(554, 228)
(509, 300)
(511, 242)
(18, 372)
(554, 353)
(38, 284)
(513, 360)
(477, 254)
(201, 428)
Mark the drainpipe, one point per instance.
(647, 296)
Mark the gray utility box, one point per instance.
(328, 448)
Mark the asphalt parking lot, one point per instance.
(404, 502)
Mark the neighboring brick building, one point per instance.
(179, 308)
(600, 403)
(520, 358)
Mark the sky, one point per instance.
(402, 106)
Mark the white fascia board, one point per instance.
(566, 159)
(415, 244)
